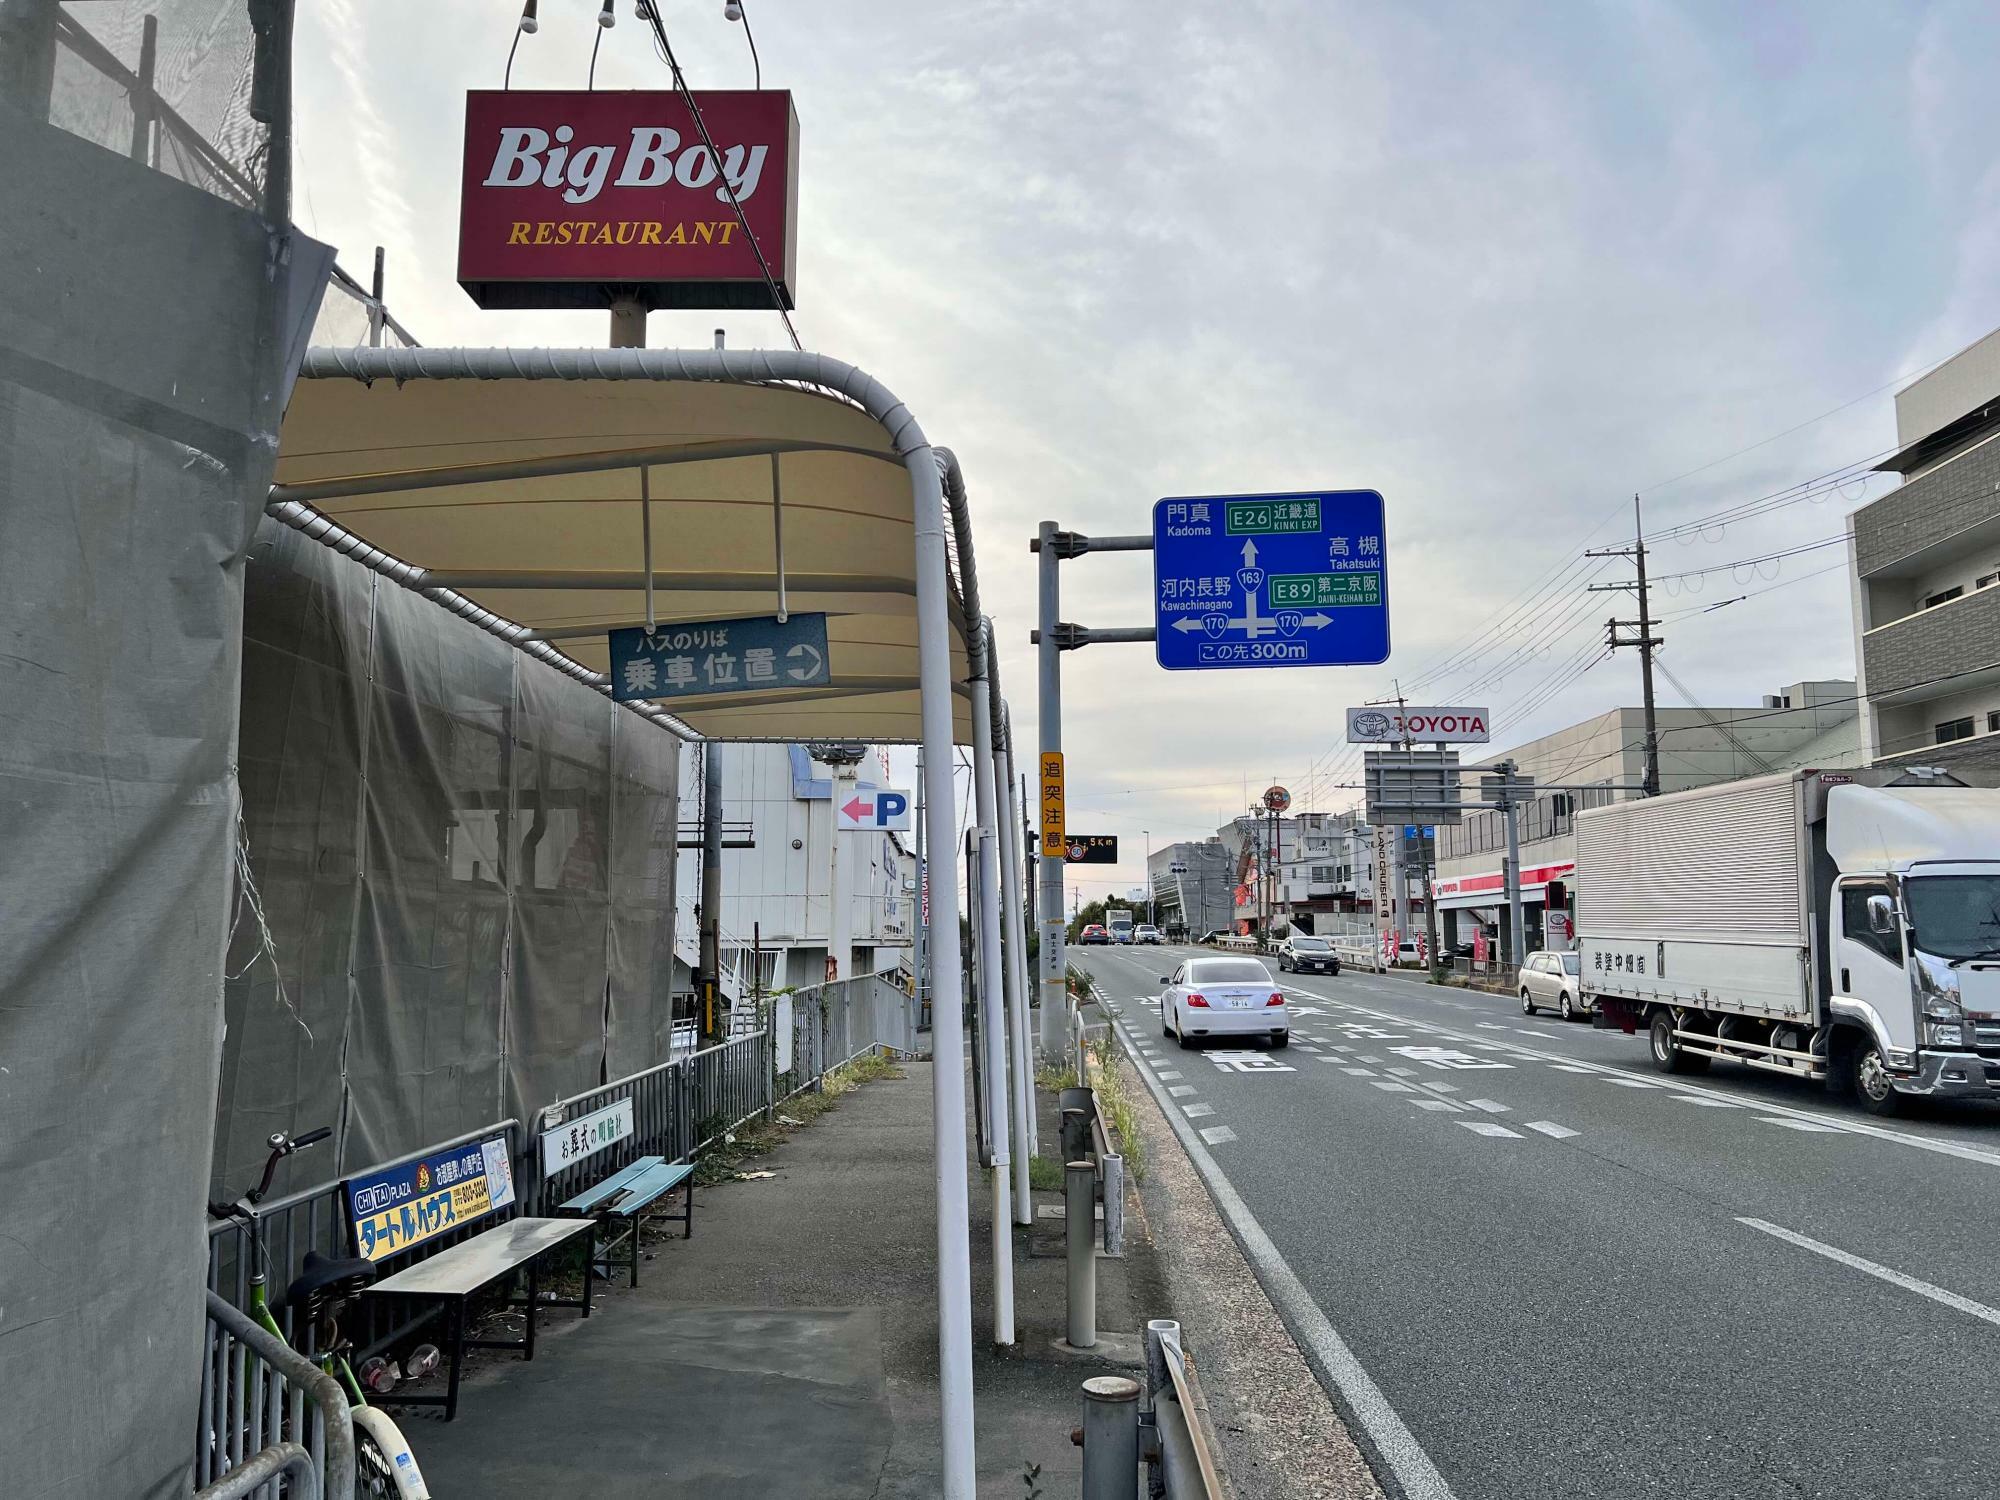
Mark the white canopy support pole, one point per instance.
(646, 535)
(992, 1013)
(1012, 874)
(778, 535)
(954, 1252)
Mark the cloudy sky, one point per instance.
(1507, 263)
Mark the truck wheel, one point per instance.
(1668, 1054)
(1868, 1079)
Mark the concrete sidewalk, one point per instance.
(790, 1347)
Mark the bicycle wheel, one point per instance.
(373, 1475)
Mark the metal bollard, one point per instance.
(1080, 1199)
(1110, 1438)
(1076, 1105)
(1157, 1378)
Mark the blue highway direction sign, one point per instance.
(1291, 580)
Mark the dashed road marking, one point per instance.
(1215, 1135)
(1442, 1088)
(1487, 1127)
(1196, 1111)
(1811, 1127)
(1164, 1076)
(1442, 1105)
(1630, 1083)
(1359, 1072)
(1705, 1103)
(1491, 1106)
(1551, 1129)
(1388, 1087)
(1368, 1057)
(1548, 1036)
(1571, 1068)
(1404, 1072)
(1181, 1090)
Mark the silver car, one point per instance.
(1554, 980)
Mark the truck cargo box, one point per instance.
(1702, 898)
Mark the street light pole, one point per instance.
(1148, 833)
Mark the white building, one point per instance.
(777, 895)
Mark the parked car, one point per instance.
(1094, 933)
(1144, 933)
(1308, 955)
(1235, 997)
(1554, 980)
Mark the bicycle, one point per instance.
(384, 1465)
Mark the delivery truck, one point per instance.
(1840, 926)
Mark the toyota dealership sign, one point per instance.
(571, 198)
(1387, 724)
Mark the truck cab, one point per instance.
(1913, 922)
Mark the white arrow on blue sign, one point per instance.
(1291, 580)
(695, 659)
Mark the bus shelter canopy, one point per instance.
(523, 495)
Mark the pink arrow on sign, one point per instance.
(857, 809)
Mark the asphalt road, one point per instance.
(1568, 1274)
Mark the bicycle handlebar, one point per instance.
(282, 1146)
(312, 1137)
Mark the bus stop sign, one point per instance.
(1288, 580)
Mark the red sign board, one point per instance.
(571, 198)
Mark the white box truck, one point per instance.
(1834, 925)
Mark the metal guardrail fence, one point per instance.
(267, 1413)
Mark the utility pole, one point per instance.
(711, 892)
(1645, 640)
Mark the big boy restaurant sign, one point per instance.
(571, 198)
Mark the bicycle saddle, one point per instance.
(324, 1278)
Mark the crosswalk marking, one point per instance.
(1487, 1127)
(1491, 1106)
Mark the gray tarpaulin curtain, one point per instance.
(465, 863)
(145, 329)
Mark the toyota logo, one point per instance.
(1373, 726)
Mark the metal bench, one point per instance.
(627, 1195)
(455, 1275)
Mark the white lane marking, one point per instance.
(1404, 1072)
(1368, 1057)
(1937, 1294)
(1165, 1075)
(1196, 1111)
(1215, 1135)
(1487, 1127)
(1491, 1106)
(1982, 1155)
(1437, 1104)
(1181, 1090)
(1489, 1026)
(1387, 1087)
(1324, 1348)
(1442, 1088)
(1359, 1072)
(1810, 1126)
(1547, 1036)
(1571, 1068)
(1705, 1103)
(1551, 1129)
(1631, 1083)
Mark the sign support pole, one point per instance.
(1508, 808)
(992, 1009)
(1054, 983)
(1021, 1096)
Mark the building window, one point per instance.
(1934, 600)
(1954, 729)
(1986, 578)
(1993, 722)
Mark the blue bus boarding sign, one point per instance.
(1288, 580)
(694, 658)
(405, 1205)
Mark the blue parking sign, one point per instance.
(1286, 580)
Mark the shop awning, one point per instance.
(511, 479)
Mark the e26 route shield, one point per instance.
(1290, 580)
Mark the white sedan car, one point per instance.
(1229, 997)
(1556, 981)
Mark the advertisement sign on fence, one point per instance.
(585, 1136)
(405, 1205)
(569, 197)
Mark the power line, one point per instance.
(1751, 562)
(651, 11)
